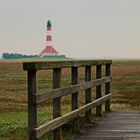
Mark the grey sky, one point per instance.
(81, 28)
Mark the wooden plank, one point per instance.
(88, 114)
(53, 124)
(32, 108)
(116, 125)
(107, 87)
(57, 133)
(98, 90)
(69, 90)
(63, 64)
(74, 80)
(74, 98)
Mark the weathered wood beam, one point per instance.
(98, 90)
(63, 64)
(74, 98)
(88, 115)
(55, 123)
(32, 107)
(55, 93)
(107, 87)
(57, 133)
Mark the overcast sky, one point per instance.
(81, 28)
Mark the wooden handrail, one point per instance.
(55, 123)
(59, 92)
(63, 64)
(35, 98)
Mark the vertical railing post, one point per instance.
(57, 133)
(32, 107)
(88, 115)
(107, 87)
(98, 90)
(74, 98)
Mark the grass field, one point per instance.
(13, 94)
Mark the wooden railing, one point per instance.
(34, 98)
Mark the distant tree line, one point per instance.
(16, 56)
(20, 56)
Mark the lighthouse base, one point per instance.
(54, 56)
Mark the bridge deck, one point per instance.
(118, 125)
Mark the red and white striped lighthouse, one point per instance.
(49, 50)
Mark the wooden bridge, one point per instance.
(120, 125)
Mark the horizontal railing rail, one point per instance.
(55, 123)
(63, 64)
(35, 98)
(69, 90)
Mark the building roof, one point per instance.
(49, 50)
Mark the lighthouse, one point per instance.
(49, 50)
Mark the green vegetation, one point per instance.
(21, 56)
(13, 125)
(13, 94)
(125, 84)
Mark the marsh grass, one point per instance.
(13, 95)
